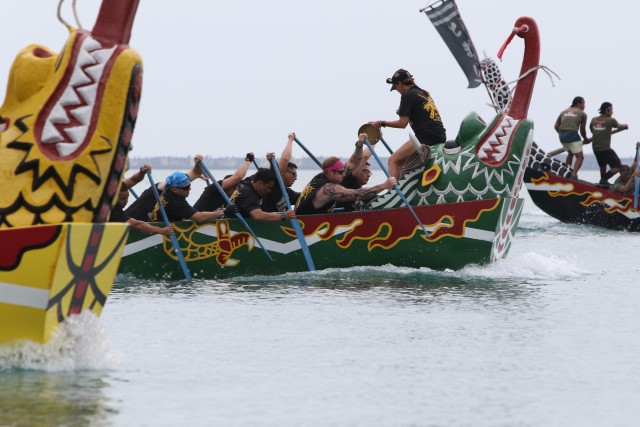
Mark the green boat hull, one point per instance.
(465, 233)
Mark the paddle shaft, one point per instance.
(395, 187)
(562, 149)
(386, 145)
(294, 221)
(636, 192)
(174, 241)
(308, 152)
(238, 214)
(133, 193)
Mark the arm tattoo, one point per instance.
(356, 157)
(341, 194)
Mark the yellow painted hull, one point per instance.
(49, 272)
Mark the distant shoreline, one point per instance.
(179, 163)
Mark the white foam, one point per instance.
(80, 342)
(530, 265)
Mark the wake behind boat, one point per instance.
(465, 199)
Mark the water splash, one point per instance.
(530, 265)
(80, 342)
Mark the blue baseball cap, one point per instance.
(178, 179)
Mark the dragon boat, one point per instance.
(65, 130)
(546, 178)
(551, 188)
(466, 199)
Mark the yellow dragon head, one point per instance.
(67, 121)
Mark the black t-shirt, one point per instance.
(305, 201)
(274, 201)
(350, 181)
(118, 215)
(246, 198)
(176, 207)
(423, 115)
(210, 199)
(143, 205)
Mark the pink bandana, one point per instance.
(334, 167)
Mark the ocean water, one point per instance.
(546, 337)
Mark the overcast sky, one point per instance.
(225, 77)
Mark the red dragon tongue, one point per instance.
(115, 21)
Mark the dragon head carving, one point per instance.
(66, 123)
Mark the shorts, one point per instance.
(573, 147)
(607, 157)
(568, 136)
(430, 139)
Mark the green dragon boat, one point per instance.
(466, 197)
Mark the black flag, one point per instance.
(446, 18)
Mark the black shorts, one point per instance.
(607, 157)
(430, 139)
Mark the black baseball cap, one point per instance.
(399, 76)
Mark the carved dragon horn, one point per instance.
(115, 20)
(526, 28)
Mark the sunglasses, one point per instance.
(294, 173)
(341, 171)
(187, 188)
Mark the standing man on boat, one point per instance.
(567, 125)
(325, 189)
(417, 109)
(174, 201)
(249, 195)
(274, 200)
(602, 129)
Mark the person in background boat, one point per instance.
(274, 200)
(601, 130)
(357, 175)
(211, 199)
(325, 189)
(174, 201)
(142, 206)
(417, 109)
(248, 196)
(625, 182)
(118, 215)
(569, 122)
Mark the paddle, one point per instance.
(295, 138)
(238, 214)
(386, 145)
(133, 193)
(294, 221)
(562, 149)
(174, 241)
(637, 189)
(395, 187)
